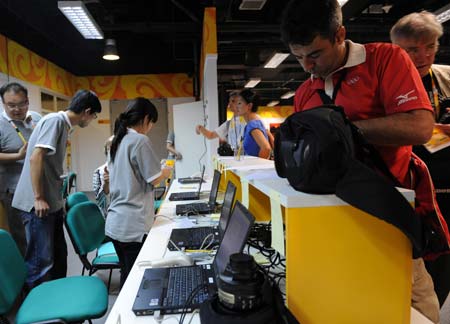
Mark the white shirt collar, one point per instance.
(356, 56)
(66, 118)
(5, 115)
(132, 130)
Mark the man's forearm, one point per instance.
(10, 157)
(409, 128)
(37, 172)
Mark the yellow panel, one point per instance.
(259, 204)
(346, 267)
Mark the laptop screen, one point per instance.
(226, 207)
(214, 188)
(234, 237)
(201, 180)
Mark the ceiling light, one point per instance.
(288, 95)
(443, 14)
(110, 53)
(252, 82)
(252, 4)
(276, 60)
(80, 17)
(273, 103)
(342, 2)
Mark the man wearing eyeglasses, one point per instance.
(38, 194)
(418, 34)
(16, 125)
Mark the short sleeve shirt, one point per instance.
(171, 140)
(10, 142)
(50, 133)
(380, 80)
(250, 145)
(130, 213)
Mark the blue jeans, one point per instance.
(46, 253)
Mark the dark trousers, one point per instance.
(46, 253)
(127, 253)
(439, 269)
(15, 223)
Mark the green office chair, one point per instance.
(72, 299)
(68, 184)
(86, 227)
(75, 198)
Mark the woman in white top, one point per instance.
(134, 170)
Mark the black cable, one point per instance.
(191, 296)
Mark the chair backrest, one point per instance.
(12, 272)
(68, 184)
(75, 198)
(86, 227)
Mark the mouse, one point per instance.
(179, 259)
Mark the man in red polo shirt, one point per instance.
(379, 89)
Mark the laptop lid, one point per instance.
(227, 206)
(201, 181)
(234, 237)
(214, 188)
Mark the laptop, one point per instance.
(206, 236)
(188, 195)
(202, 207)
(190, 180)
(167, 289)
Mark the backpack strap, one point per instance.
(325, 98)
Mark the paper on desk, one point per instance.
(185, 223)
(244, 190)
(277, 222)
(215, 216)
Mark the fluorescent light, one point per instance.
(252, 82)
(80, 17)
(342, 2)
(288, 95)
(276, 60)
(273, 103)
(443, 14)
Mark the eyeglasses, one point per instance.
(95, 115)
(427, 50)
(19, 105)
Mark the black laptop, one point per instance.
(190, 180)
(201, 208)
(188, 195)
(206, 236)
(167, 289)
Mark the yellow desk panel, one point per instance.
(346, 267)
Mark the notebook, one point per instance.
(167, 289)
(206, 236)
(202, 207)
(188, 195)
(190, 180)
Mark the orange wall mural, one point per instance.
(209, 37)
(21, 63)
(271, 112)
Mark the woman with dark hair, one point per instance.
(255, 140)
(134, 170)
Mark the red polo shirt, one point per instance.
(380, 80)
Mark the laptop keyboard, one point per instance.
(192, 208)
(182, 281)
(186, 195)
(199, 234)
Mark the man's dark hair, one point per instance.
(13, 87)
(304, 20)
(83, 100)
(250, 98)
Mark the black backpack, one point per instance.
(320, 151)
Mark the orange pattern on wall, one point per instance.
(139, 85)
(28, 66)
(271, 112)
(209, 37)
(3, 55)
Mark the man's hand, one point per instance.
(41, 207)
(105, 174)
(178, 156)
(198, 129)
(23, 151)
(445, 128)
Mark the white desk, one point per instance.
(155, 247)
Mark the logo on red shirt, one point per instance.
(405, 98)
